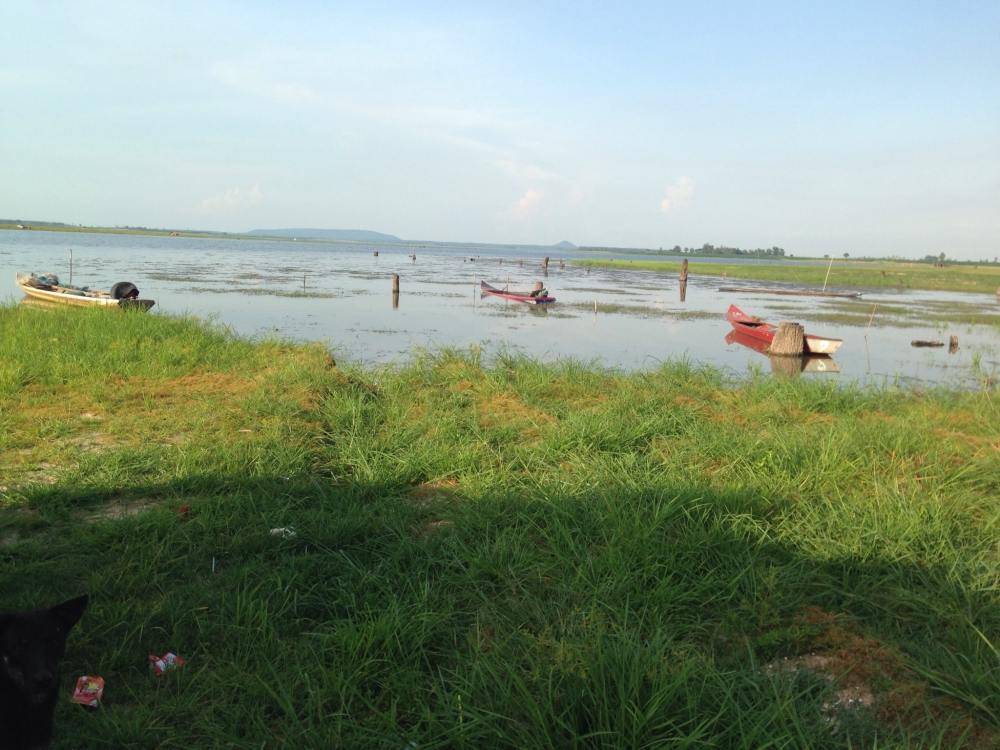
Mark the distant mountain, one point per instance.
(564, 245)
(350, 235)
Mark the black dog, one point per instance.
(31, 645)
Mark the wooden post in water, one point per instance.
(953, 345)
(395, 291)
(375, 253)
(684, 279)
(545, 263)
(789, 340)
(303, 281)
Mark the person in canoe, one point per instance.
(539, 290)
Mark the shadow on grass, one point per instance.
(432, 615)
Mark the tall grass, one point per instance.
(843, 273)
(493, 554)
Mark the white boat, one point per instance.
(47, 287)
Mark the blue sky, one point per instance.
(867, 128)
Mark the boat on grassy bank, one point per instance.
(48, 288)
(539, 297)
(755, 328)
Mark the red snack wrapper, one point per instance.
(161, 664)
(88, 691)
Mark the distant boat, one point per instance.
(538, 299)
(757, 329)
(48, 288)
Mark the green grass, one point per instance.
(501, 554)
(845, 274)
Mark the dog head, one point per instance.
(31, 645)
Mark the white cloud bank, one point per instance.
(232, 199)
(527, 205)
(678, 195)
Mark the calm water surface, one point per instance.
(340, 294)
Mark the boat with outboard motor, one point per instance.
(47, 287)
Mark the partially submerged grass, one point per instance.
(847, 274)
(502, 554)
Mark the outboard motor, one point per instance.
(125, 290)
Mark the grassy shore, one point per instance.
(502, 554)
(845, 274)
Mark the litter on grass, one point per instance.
(88, 691)
(165, 663)
(285, 532)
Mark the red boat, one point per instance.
(539, 299)
(756, 328)
(784, 365)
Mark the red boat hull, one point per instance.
(515, 296)
(757, 329)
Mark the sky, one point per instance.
(868, 128)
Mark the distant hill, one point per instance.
(565, 245)
(350, 235)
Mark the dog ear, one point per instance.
(69, 613)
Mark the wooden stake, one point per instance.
(953, 345)
(684, 279)
(395, 283)
(71, 269)
(789, 340)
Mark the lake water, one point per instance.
(340, 294)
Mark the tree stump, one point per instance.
(789, 340)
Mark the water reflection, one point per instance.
(787, 366)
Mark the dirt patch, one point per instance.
(429, 529)
(92, 442)
(867, 673)
(430, 492)
(506, 408)
(117, 508)
(42, 473)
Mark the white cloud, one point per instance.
(232, 199)
(527, 171)
(527, 205)
(255, 77)
(678, 195)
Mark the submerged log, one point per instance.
(922, 342)
(789, 340)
